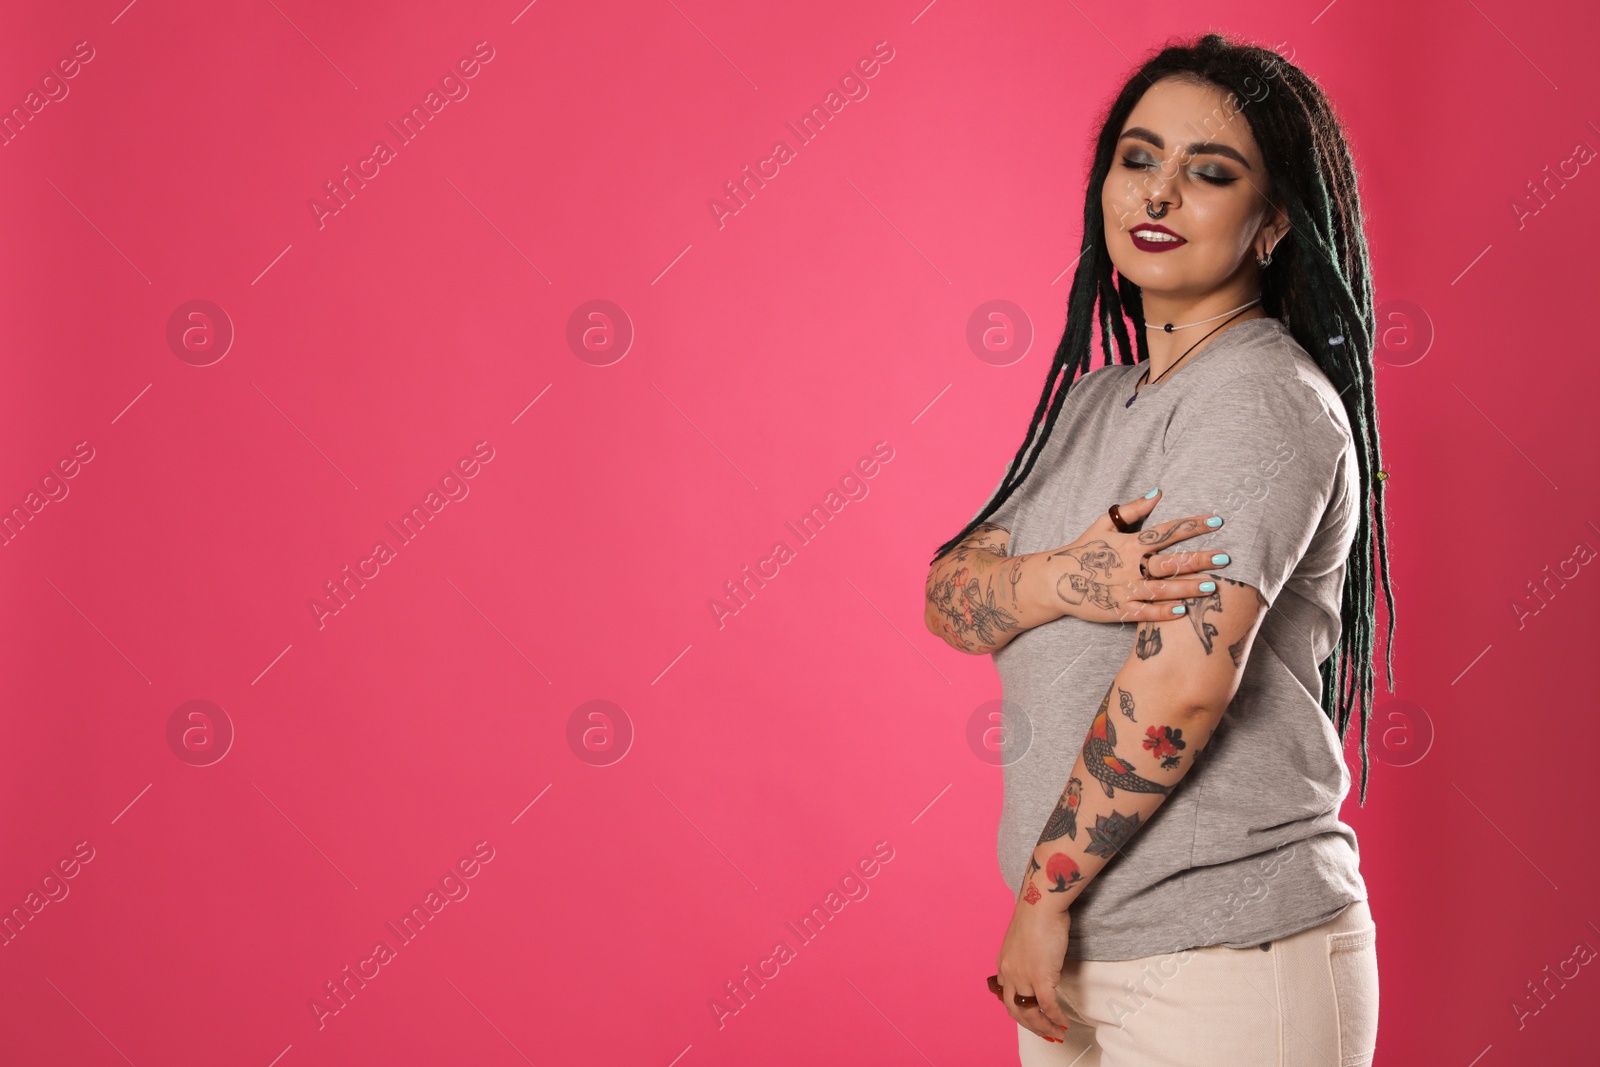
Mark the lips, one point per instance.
(1156, 244)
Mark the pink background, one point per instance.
(762, 758)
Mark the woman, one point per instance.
(1233, 926)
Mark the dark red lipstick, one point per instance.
(1145, 244)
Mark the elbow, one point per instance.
(1206, 706)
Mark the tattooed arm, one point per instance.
(1155, 719)
(979, 597)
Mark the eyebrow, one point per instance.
(1199, 148)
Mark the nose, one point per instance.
(1162, 184)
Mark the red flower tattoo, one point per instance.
(1165, 742)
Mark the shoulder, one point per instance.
(1270, 374)
(1105, 378)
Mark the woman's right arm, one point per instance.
(979, 597)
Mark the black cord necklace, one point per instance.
(1180, 359)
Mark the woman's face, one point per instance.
(1186, 144)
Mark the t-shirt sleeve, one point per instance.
(1264, 453)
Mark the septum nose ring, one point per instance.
(1148, 206)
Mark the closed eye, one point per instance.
(1212, 178)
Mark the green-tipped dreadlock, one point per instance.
(1319, 285)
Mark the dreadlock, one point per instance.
(1320, 286)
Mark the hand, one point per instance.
(1030, 964)
(1109, 576)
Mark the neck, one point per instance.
(1167, 349)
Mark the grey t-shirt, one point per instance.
(1249, 847)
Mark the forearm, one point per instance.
(1141, 744)
(979, 598)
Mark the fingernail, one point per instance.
(1179, 610)
(1151, 493)
(1220, 558)
(1214, 521)
(1208, 587)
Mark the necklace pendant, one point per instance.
(1167, 327)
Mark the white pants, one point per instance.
(1307, 1000)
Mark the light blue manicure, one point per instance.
(1214, 521)
(1220, 558)
(1179, 610)
(1151, 494)
(1208, 587)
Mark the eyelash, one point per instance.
(1131, 165)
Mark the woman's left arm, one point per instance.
(1159, 712)
(1157, 715)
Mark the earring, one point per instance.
(1264, 261)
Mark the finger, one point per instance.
(1166, 594)
(1157, 611)
(1175, 530)
(1169, 564)
(1036, 1021)
(1008, 997)
(1133, 511)
(1050, 1006)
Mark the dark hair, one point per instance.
(1319, 284)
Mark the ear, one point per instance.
(1278, 227)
